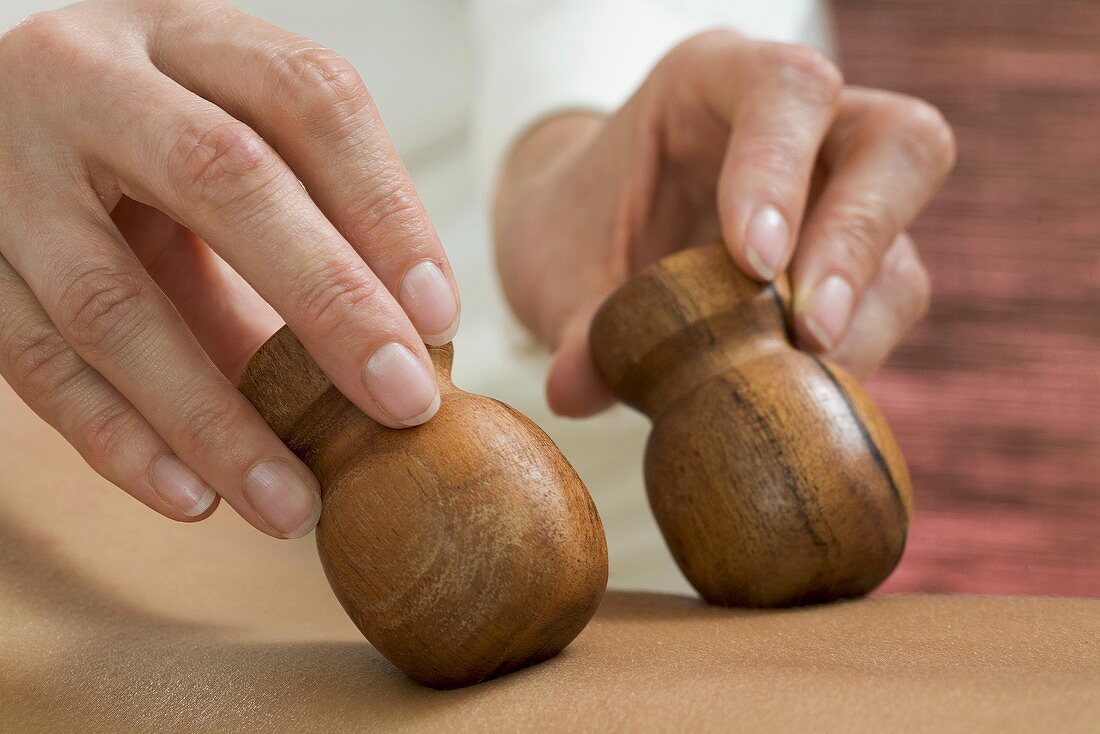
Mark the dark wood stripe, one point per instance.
(872, 447)
(740, 393)
(697, 334)
(787, 326)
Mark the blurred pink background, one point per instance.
(996, 397)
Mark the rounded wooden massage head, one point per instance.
(774, 478)
(464, 548)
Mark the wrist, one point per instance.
(537, 158)
(548, 140)
(532, 216)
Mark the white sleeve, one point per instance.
(537, 57)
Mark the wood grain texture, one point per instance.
(995, 398)
(773, 477)
(464, 548)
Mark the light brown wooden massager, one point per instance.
(774, 478)
(464, 548)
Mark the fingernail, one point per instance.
(430, 302)
(402, 384)
(766, 241)
(180, 487)
(286, 500)
(829, 311)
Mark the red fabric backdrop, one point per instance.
(996, 397)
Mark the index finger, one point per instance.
(190, 159)
(778, 101)
(314, 109)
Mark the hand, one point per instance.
(757, 144)
(167, 171)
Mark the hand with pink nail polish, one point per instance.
(758, 144)
(219, 177)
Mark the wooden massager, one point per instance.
(464, 548)
(774, 478)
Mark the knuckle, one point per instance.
(911, 280)
(55, 51)
(41, 363)
(779, 159)
(102, 306)
(861, 231)
(809, 67)
(706, 40)
(688, 55)
(320, 84)
(220, 166)
(210, 422)
(38, 33)
(105, 432)
(24, 48)
(393, 211)
(189, 17)
(921, 283)
(927, 134)
(329, 294)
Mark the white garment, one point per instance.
(456, 81)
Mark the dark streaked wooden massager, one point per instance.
(464, 548)
(774, 478)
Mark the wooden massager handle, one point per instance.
(774, 478)
(463, 548)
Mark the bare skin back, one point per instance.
(113, 618)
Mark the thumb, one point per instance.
(574, 387)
